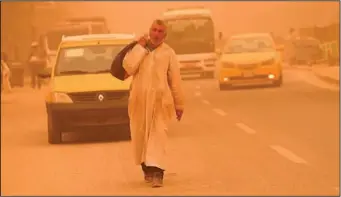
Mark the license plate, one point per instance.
(248, 74)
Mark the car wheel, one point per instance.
(279, 82)
(124, 132)
(54, 133)
(127, 127)
(224, 87)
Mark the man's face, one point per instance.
(157, 33)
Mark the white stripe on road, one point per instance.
(197, 93)
(220, 112)
(288, 154)
(245, 128)
(205, 102)
(197, 87)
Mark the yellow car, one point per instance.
(249, 59)
(82, 91)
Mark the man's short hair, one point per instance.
(161, 23)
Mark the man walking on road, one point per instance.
(5, 74)
(37, 61)
(290, 51)
(155, 97)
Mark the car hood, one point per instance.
(244, 58)
(89, 83)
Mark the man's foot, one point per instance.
(157, 180)
(148, 177)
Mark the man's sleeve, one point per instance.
(174, 80)
(133, 58)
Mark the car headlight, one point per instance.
(59, 97)
(269, 62)
(227, 65)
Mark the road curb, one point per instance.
(327, 79)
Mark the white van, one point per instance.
(190, 32)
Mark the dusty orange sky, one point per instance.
(229, 17)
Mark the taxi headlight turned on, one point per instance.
(59, 97)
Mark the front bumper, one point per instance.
(89, 114)
(197, 69)
(249, 77)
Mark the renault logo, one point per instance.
(100, 97)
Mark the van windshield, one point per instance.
(191, 35)
(86, 60)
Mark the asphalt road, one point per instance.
(263, 141)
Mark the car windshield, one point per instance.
(191, 35)
(249, 44)
(54, 37)
(86, 60)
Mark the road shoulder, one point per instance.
(328, 74)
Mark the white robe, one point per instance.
(6, 72)
(155, 94)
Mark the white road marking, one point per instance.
(245, 128)
(197, 87)
(288, 154)
(205, 102)
(219, 111)
(197, 93)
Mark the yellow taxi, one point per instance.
(82, 93)
(249, 59)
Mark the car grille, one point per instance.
(93, 116)
(248, 78)
(190, 62)
(94, 96)
(247, 66)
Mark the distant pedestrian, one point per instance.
(5, 74)
(155, 97)
(290, 48)
(220, 42)
(37, 62)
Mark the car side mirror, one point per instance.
(45, 73)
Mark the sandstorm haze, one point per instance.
(259, 118)
(229, 17)
(127, 17)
